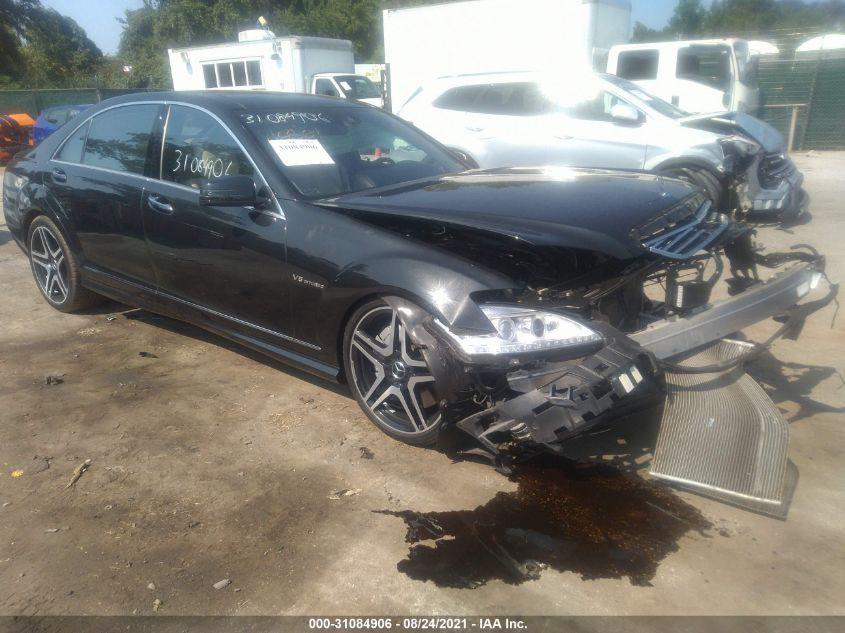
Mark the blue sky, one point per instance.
(99, 17)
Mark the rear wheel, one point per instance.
(55, 269)
(389, 377)
(702, 178)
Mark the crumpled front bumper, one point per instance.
(564, 399)
(783, 198)
(720, 434)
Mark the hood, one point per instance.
(594, 210)
(738, 123)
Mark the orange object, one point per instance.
(15, 134)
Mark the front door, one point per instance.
(587, 134)
(98, 178)
(230, 260)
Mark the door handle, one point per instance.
(474, 129)
(159, 203)
(59, 175)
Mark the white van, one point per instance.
(694, 75)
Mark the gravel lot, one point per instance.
(211, 463)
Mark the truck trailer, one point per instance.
(481, 36)
(261, 61)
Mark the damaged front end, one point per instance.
(765, 184)
(622, 342)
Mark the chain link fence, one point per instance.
(802, 93)
(33, 102)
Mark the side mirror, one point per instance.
(625, 114)
(229, 191)
(465, 158)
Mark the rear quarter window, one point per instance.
(119, 138)
(71, 150)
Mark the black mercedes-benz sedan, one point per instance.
(521, 305)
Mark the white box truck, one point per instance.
(261, 61)
(426, 42)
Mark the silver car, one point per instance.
(604, 121)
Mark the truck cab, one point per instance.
(694, 75)
(347, 86)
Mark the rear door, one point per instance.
(229, 260)
(98, 177)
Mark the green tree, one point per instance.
(15, 17)
(355, 20)
(742, 16)
(688, 19)
(643, 33)
(56, 52)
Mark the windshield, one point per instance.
(358, 87)
(655, 103)
(341, 149)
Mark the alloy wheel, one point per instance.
(49, 265)
(391, 376)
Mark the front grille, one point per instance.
(774, 168)
(682, 237)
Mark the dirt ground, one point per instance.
(210, 463)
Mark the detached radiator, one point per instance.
(722, 436)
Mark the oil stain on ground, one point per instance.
(585, 518)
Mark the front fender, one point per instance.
(441, 286)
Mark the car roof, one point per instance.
(454, 81)
(227, 100)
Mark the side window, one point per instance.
(458, 98)
(209, 75)
(593, 107)
(197, 148)
(119, 138)
(708, 65)
(224, 75)
(638, 64)
(325, 87)
(232, 74)
(253, 73)
(513, 99)
(71, 151)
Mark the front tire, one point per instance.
(55, 268)
(389, 377)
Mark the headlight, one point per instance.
(13, 181)
(525, 330)
(738, 145)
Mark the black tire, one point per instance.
(419, 423)
(55, 269)
(702, 178)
